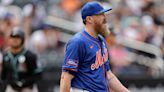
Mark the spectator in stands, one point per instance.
(43, 39)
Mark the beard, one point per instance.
(101, 27)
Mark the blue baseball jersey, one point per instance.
(87, 59)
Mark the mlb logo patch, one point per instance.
(72, 62)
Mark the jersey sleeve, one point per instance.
(72, 56)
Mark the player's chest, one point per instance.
(96, 55)
(95, 48)
(96, 51)
(18, 63)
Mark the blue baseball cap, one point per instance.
(92, 8)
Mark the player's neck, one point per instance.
(91, 32)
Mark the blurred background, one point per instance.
(136, 42)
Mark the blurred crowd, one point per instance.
(134, 20)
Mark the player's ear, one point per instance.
(89, 19)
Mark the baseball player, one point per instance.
(19, 65)
(86, 62)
